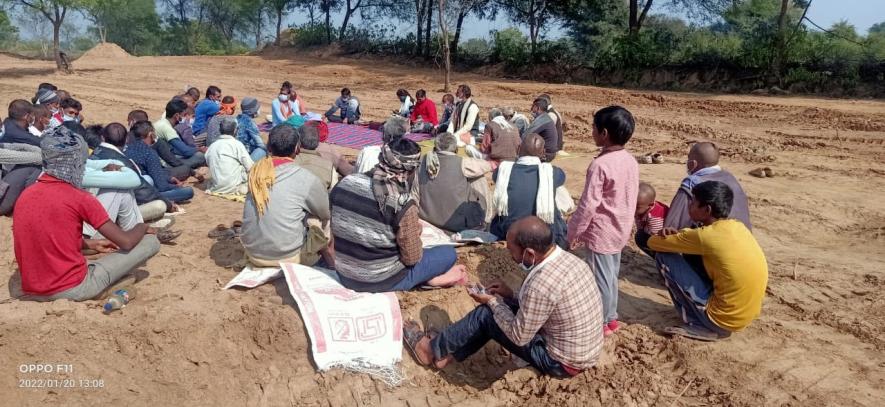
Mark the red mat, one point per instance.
(357, 137)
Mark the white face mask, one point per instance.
(284, 98)
(522, 265)
(71, 118)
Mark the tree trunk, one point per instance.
(347, 14)
(56, 47)
(328, 25)
(634, 17)
(780, 50)
(419, 38)
(279, 26)
(533, 36)
(258, 31)
(445, 42)
(457, 39)
(428, 6)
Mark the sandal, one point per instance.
(412, 334)
(167, 236)
(759, 173)
(657, 158)
(768, 172)
(694, 332)
(221, 231)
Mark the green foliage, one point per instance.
(131, 24)
(511, 47)
(475, 52)
(8, 32)
(310, 35)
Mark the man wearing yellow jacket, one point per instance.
(722, 293)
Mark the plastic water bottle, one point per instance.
(119, 299)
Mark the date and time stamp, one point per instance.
(54, 376)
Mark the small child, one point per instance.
(448, 111)
(603, 221)
(650, 214)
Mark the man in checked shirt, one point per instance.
(554, 322)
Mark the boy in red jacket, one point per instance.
(424, 118)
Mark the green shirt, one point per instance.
(164, 130)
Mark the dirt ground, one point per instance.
(184, 341)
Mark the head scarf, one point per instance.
(228, 108)
(64, 155)
(392, 180)
(261, 179)
(46, 96)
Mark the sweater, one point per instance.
(202, 113)
(280, 232)
(427, 110)
(524, 184)
(366, 247)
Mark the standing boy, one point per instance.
(603, 221)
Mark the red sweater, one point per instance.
(427, 110)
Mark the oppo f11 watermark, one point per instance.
(44, 375)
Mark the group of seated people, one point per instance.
(304, 203)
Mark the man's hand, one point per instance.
(668, 232)
(112, 167)
(175, 208)
(500, 288)
(481, 298)
(575, 245)
(151, 230)
(203, 149)
(465, 138)
(101, 245)
(174, 181)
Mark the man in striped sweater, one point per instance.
(377, 231)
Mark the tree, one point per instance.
(280, 8)
(131, 24)
(533, 13)
(636, 18)
(8, 32)
(252, 15)
(328, 7)
(55, 11)
(483, 8)
(443, 28)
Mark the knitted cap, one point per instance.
(45, 96)
(250, 106)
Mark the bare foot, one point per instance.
(457, 275)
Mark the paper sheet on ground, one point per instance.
(356, 331)
(346, 328)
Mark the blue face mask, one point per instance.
(71, 118)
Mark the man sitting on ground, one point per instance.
(552, 322)
(556, 117)
(349, 107)
(377, 231)
(40, 120)
(247, 131)
(527, 188)
(165, 129)
(723, 293)
(703, 165)
(56, 206)
(229, 162)
(15, 127)
(500, 141)
(139, 151)
(329, 152)
(309, 158)
(454, 194)
(465, 120)
(206, 109)
(544, 126)
(227, 110)
(151, 205)
(394, 129)
(425, 110)
(517, 119)
(282, 196)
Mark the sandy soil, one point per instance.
(184, 341)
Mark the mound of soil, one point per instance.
(104, 53)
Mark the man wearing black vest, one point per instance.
(465, 120)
